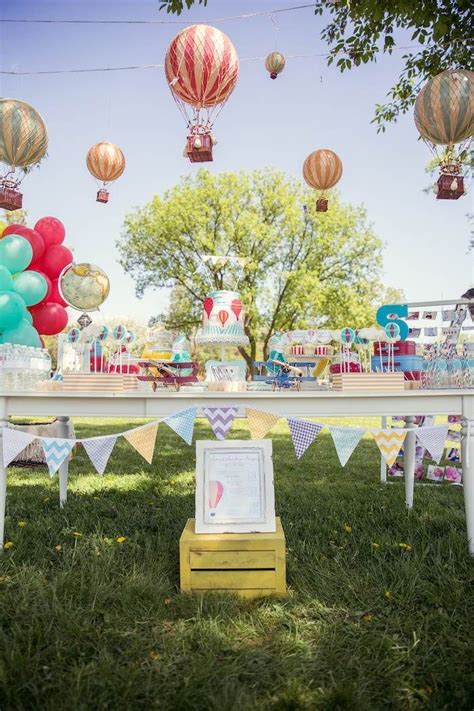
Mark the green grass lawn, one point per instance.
(90, 623)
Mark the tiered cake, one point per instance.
(222, 320)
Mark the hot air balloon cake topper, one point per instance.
(322, 169)
(444, 116)
(106, 162)
(23, 144)
(201, 68)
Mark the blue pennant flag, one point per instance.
(56, 451)
(345, 440)
(183, 423)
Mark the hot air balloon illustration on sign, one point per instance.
(201, 67)
(322, 169)
(216, 489)
(275, 64)
(23, 144)
(106, 162)
(444, 116)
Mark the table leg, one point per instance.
(467, 458)
(409, 461)
(64, 468)
(383, 463)
(3, 486)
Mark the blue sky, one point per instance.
(265, 122)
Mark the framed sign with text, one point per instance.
(234, 487)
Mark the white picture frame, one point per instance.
(234, 487)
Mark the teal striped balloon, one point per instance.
(23, 134)
(444, 108)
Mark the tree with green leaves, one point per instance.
(439, 36)
(302, 267)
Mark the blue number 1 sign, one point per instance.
(394, 313)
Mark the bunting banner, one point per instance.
(389, 442)
(260, 423)
(221, 418)
(143, 439)
(99, 450)
(56, 451)
(14, 442)
(183, 423)
(433, 439)
(303, 434)
(345, 441)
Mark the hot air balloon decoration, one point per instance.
(23, 144)
(201, 68)
(216, 489)
(106, 163)
(444, 116)
(322, 169)
(275, 64)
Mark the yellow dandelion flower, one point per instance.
(368, 617)
(388, 594)
(8, 545)
(58, 548)
(21, 524)
(348, 529)
(121, 539)
(172, 482)
(405, 546)
(167, 601)
(76, 534)
(375, 546)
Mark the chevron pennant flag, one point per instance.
(56, 451)
(303, 434)
(99, 450)
(14, 442)
(433, 439)
(183, 423)
(260, 423)
(221, 418)
(143, 439)
(345, 441)
(389, 442)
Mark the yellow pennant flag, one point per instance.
(260, 423)
(389, 443)
(143, 439)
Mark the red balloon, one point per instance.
(55, 296)
(49, 319)
(51, 230)
(33, 237)
(55, 259)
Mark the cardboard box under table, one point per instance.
(250, 564)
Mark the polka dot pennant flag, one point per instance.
(389, 442)
(99, 450)
(433, 439)
(345, 441)
(303, 434)
(183, 423)
(260, 423)
(143, 439)
(14, 442)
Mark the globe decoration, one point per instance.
(84, 287)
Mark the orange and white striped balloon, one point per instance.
(201, 66)
(322, 169)
(105, 161)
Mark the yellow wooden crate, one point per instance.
(250, 564)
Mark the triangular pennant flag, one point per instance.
(56, 452)
(303, 434)
(99, 450)
(345, 441)
(260, 423)
(221, 418)
(389, 443)
(433, 439)
(183, 423)
(143, 439)
(14, 442)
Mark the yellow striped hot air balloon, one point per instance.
(106, 162)
(275, 64)
(444, 116)
(322, 169)
(23, 143)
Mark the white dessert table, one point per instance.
(305, 404)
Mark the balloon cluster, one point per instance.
(34, 259)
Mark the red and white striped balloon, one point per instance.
(322, 169)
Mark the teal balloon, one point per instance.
(28, 317)
(12, 309)
(31, 286)
(22, 335)
(6, 281)
(15, 253)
